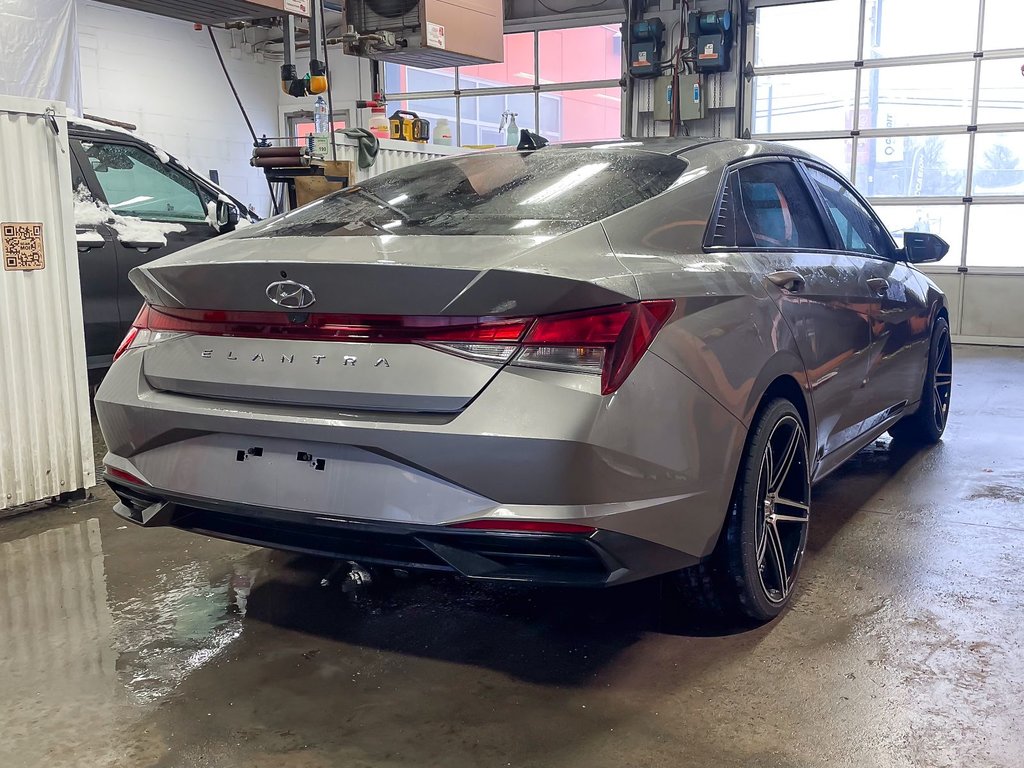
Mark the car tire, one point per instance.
(752, 572)
(926, 425)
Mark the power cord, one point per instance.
(574, 9)
(245, 115)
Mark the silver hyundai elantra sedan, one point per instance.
(579, 365)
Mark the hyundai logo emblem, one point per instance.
(291, 295)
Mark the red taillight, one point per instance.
(120, 474)
(127, 342)
(613, 339)
(608, 342)
(140, 323)
(391, 329)
(523, 526)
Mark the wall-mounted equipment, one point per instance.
(426, 33)
(711, 36)
(690, 103)
(646, 39)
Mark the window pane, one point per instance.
(136, 183)
(900, 97)
(516, 69)
(581, 54)
(822, 101)
(1004, 24)
(792, 34)
(592, 114)
(302, 129)
(999, 164)
(912, 166)
(481, 117)
(912, 28)
(987, 241)
(946, 221)
(777, 209)
(1001, 91)
(400, 78)
(836, 152)
(858, 230)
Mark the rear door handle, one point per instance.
(143, 245)
(879, 285)
(788, 280)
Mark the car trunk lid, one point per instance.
(399, 324)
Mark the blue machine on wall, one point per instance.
(711, 38)
(646, 39)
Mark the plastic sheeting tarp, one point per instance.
(39, 51)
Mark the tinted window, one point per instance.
(136, 183)
(858, 229)
(775, 210)
(546, 192)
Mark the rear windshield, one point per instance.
(546, 192)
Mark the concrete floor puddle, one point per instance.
(156, 648)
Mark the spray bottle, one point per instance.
(508, 127)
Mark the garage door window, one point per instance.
(923, 114)
(136, 183)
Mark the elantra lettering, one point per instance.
(349, 361)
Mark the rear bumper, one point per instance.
(603, 558)
(654, 463)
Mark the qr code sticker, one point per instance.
(22, 247)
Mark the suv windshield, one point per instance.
(547, 192)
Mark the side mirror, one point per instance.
(227, 217)
(923, 247)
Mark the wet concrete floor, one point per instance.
(129, 647)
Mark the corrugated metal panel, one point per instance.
(45, 428)
(392, 155)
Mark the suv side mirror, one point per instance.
(227, 217)
(923, 247)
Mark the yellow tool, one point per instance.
(408, 126)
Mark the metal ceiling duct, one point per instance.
(216, 11)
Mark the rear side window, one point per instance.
(547, 192)
(858, 230)
(767, 206)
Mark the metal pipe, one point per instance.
(317, 67)
(327, 74)
(289, 74)
(627, 96)
(741, 64)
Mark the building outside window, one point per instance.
(561, 83)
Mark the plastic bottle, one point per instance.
(321, 124)
(443, 132)
(512, 132)
(379, 125)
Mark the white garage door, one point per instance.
(921, 105)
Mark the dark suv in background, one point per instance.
(133, 203)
